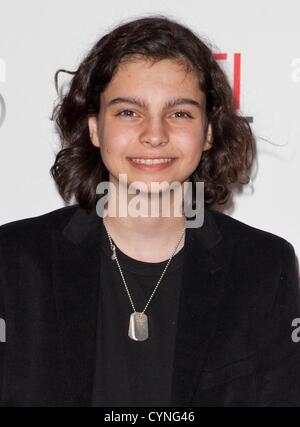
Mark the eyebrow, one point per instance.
(169, 104)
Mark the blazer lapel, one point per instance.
(76, 278)
(204, 274)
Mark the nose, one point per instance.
(154, 133)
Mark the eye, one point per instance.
(128, 113)
(184, 114)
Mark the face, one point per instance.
(151, 111)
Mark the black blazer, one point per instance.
(233, 347)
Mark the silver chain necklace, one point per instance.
(138, 322)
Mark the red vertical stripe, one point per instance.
(237, 81)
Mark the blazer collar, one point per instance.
(76, 283)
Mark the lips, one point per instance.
(153, 163)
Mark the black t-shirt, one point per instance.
(128, 372)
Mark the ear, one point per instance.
(209, 139)
(93, 129)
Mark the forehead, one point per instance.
(165, 75)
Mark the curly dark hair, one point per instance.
(78, 167)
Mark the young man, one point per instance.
(143, 311)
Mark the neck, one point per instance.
(148, 238)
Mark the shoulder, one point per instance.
(249, 239)
(35, 228)
(265, 264)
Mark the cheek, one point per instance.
(191, 144)
(115, 143)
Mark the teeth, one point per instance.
(151, 161)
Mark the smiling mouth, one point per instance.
(151, 161)
(153, 164)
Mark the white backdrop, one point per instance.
(37, 38)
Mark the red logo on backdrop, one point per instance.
(236, 78)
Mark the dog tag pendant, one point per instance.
(138, 326)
